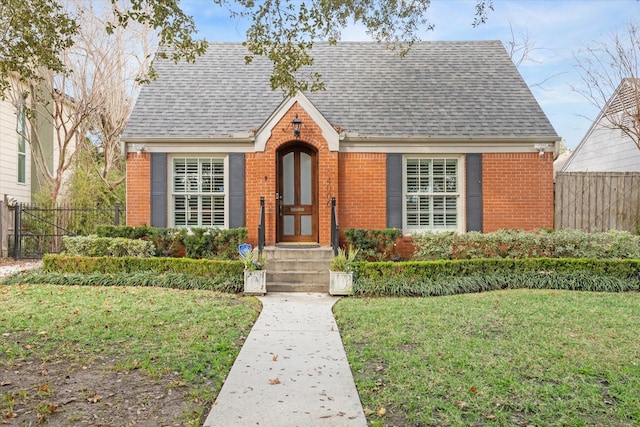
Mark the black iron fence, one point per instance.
(39, 230)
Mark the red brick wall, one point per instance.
(362, 190)
(517, 191)
(138, 189)
(260, 170)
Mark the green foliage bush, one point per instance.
(417, 269)
(450, 285)
(447, 277)
(225, 274)
(196, 242)
(373, 245)
(197, 267)
(93, 246)
(140, 278)
(524, 244)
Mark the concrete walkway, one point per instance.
(291, 371)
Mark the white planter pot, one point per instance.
(255, 282)
(340, 283)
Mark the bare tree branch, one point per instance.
(610, 72)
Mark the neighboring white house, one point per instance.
(19, 178)
(15, 158)
(604, 148)
(598, 187)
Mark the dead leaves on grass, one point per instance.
(380, 412)
(94, 399)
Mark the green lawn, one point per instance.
(516, 357)
(193, 335)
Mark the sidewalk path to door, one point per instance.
(291, 371)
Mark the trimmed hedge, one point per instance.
(526, 244)
(447, 277)
(140, 278)
(94, 246)
(417, 269)
(451, 285)
(230, 271)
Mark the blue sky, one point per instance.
(556, 29)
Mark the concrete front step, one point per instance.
(274, 253)
(298, 269)
(296, 287)
(320, 277)
(297, 265)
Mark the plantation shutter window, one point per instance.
(199, 197)
(432, 194)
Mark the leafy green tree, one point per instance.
(33, 31)
(32, 35)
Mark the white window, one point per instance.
(432, 194)
(22, 146)
(199, 196)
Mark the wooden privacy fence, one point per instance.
(598, 201)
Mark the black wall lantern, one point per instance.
(297, 124)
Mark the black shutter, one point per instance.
(158, 189)
(394, 190)
(474, 192)
(236, 190)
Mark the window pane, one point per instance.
(192, 211)
(206, 175)
(22, 146)
(218, 211)
(179, 176)
(180, 210)
(305, 179)
(192, 176)
(201, 182)
(305, 225)
(207, 211)
(289, 225)
(22, 168)
(288, 179)
(427, 182)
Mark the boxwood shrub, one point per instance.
(140, 278)
(450, 285)
(94, 246)
(178, 242)
(182, 273)
(526, 244)
(446, 277)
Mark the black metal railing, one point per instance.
(261, 226)
(335, 230)
(39, 230)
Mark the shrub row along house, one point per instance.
(448, 137)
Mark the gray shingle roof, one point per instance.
(439, 89)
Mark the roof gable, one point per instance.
(438, 90)
(605, 148)
(328, 132)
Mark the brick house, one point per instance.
(448, 137)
